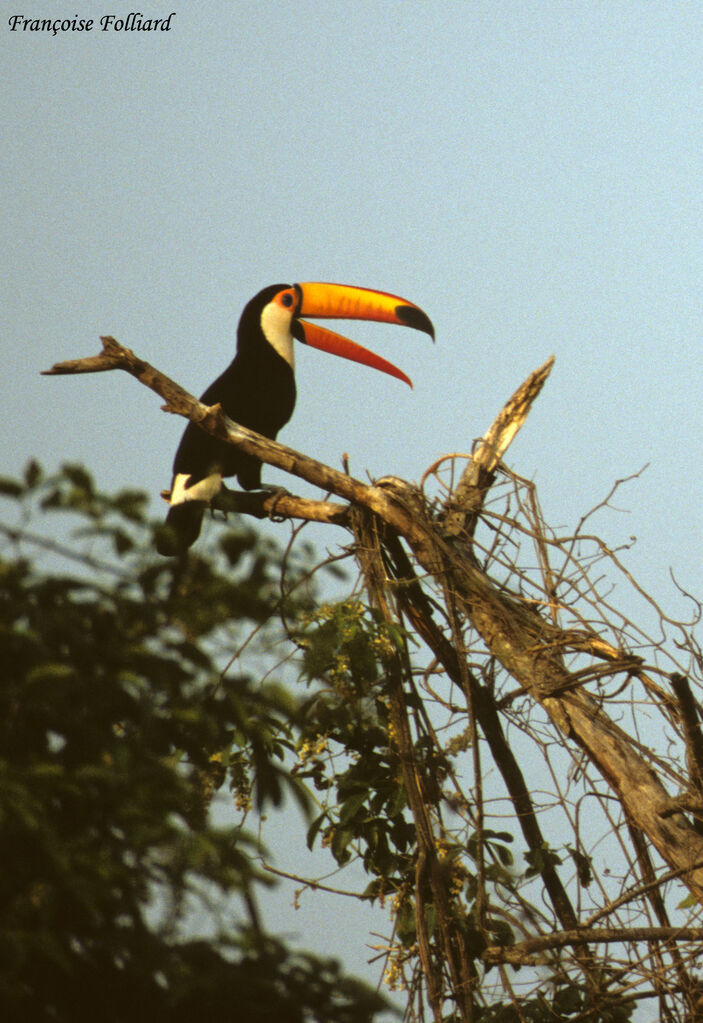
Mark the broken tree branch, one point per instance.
(463, 506)
(524, 952)
(213, 419)
(529, 647)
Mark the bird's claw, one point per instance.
(276, 493)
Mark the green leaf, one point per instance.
(314, 828)
(33, 474)
(341, 840)
(10, 487)
(351, 806)
(583, 865)
(79, 477)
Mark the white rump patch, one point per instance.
(203, 490)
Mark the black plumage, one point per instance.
(256, 390)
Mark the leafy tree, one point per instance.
(116, 728)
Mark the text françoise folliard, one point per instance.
(134, 22)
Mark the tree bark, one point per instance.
(529, 646)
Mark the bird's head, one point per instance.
(277, 310)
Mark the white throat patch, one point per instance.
(275, 323)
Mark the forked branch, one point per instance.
(530, 647)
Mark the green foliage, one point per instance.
(352, 757)
(344, 645)
(115, 731)
(537, 859)
(583, 865)
(564, 1002)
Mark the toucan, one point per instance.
(257, 389)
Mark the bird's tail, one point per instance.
(181, 529)
(189, 498)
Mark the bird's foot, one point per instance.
(277, 493)
(215, 508)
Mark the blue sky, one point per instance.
(531, 174)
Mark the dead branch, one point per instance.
(400, 540)
(524, 643)
(280, 505)
(690, 717)
(463, 506)
(525, 951)
(212, 419)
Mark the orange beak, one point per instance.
(343, 301)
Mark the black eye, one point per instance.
(287, 299)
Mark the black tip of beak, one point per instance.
(411, 316)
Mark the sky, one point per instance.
(531, 174)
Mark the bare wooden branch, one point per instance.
(522, 636)
(511, 628)
(280, 504)
(690, 717)
(212, 419)
(462, 507)
(116, 356)
(525, 951)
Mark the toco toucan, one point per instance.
(257, 390)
